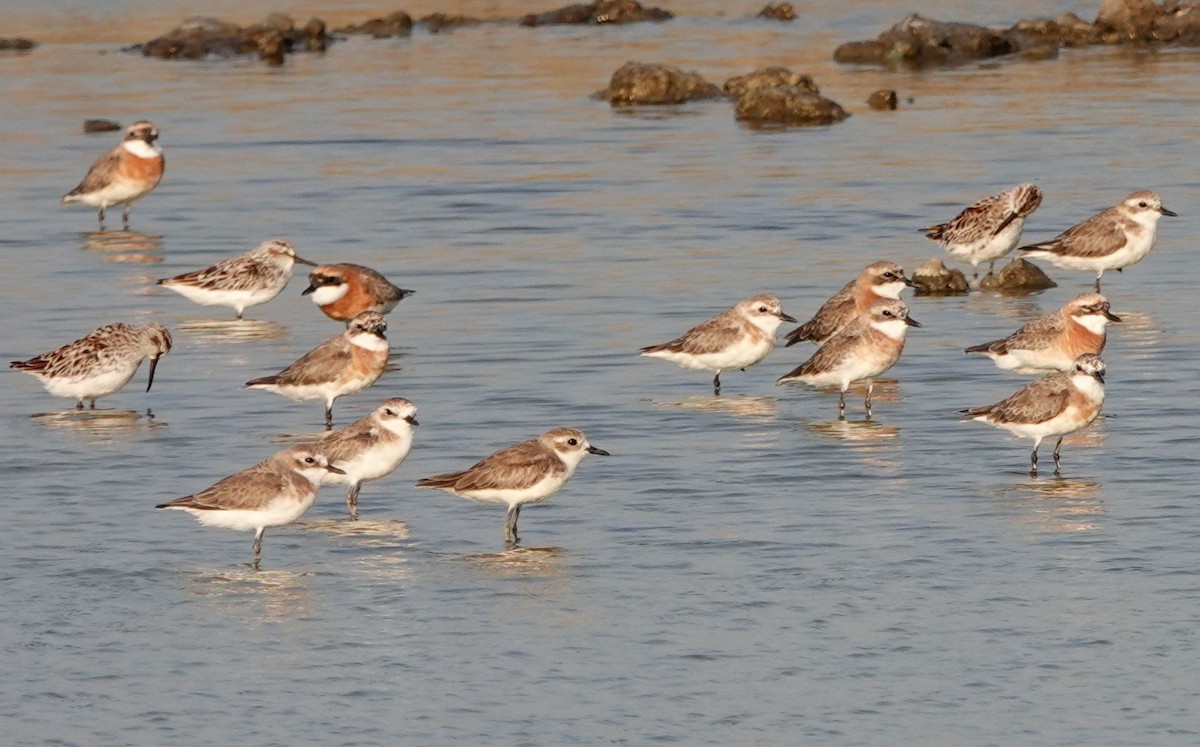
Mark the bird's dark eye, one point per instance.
(889, 274)
(309, 460)
(887, 313)
(572, 441)
(762, 309)
(1142, 204)
(390, 412)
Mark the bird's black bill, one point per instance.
(335, 470)
(1099, 376)
(594, 450)
(1171, 213)
(912, 322)
(1111, 316)
(153, 365)
(787, 317)
(309, 289)
(909, 283)
(411, 420)
(297, 260)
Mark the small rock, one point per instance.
(205, 37)
(1130, 19)
(604, 11)
(1179, 23)
(919, 42)
(436, 22)
(1068, 30)
(768, 77)
(315, 35)
(635, 83)
(100, 125)
(933, 279)
(396, 24)
(778, 12)
(16, 44)
(883, 100)
(1018, 275)
(786, 105)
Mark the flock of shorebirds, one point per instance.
(860, 332)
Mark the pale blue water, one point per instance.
(742, 570)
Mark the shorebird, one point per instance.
(528, 472)
(239, 282)
(99, 364)
(124, 175)
(1053, 342)
(861, 351)
(272, 493)
(1054, 405)
(877, 280)
(989, 229)
(344, 291)
(1111, 240)
(734, 339)
(371, 447)
(346, 364)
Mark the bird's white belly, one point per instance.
(277, 513)
(536, 493)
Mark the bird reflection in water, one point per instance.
(745, 406)
(1055, 504)
(863, 431)
(210, 331)
(124, 246)
(522, 561)
(257, 596)
(101, 426)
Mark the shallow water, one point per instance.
(742, 570)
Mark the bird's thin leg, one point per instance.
(842, 405)
(101, 219)
(352, 500)
(870, 388)
(1057, 446)
(1098, 280)
(239, 315)
(258, 535)
(717, 383)
(329, 416)
(93, 405)
(1033, 463)
(510, 525)
(79, 405)
(125, 216)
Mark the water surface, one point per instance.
(744, 569)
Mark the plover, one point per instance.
(528, 472)
(348, 363)
(1111, 240)
(239, 282)
(861, 351)
(272, 493)
(371, 447)
(99, 364)
(734, 339)
(1054, 405)
(989, 229)
(877, 280)
(1053, 342)
(344, 291)
(123, 175)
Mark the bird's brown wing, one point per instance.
(1034, 403)
(515, 468)
(317, 366)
